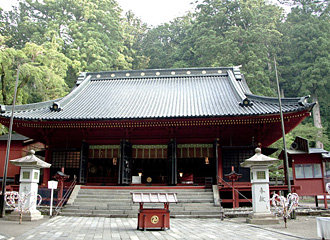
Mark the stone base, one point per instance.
(28, 216)
(262, 219)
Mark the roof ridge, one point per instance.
(159, 73)
(65, 100)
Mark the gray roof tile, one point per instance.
(158, 94)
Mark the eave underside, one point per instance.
(237, 130)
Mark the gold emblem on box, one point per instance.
(154, 219)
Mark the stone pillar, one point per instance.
(260, 190)
(258, 165)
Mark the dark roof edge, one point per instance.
(302, 101)
(66, 99)
(31, 106)
(14, 137)
(235, 84)
(244, 86)
(161, 118)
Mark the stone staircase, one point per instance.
(117, 202)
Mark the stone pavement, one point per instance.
(97, 228)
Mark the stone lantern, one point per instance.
(29, 179)
(258, 165)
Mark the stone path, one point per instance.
(98, 228)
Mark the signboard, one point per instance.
(52, 184)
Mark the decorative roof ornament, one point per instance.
(56, 107)
(246, 103)
(2, 108)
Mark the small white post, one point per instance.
(51, 185)
(51, 202)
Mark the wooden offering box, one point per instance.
(154, 218)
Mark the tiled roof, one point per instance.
(14, 137)
(167, 93)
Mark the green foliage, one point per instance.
(307, 131)
(42, 71)
(305, 59)
(134, 32)
(91, 31)
(221, 33)
(167, 45)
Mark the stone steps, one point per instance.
(192, 203)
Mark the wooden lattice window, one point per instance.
(66, 159)
(233, 156)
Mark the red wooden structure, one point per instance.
(20, 146)
(310, 169)
(233, 177)
(154, 218)
(156, 123)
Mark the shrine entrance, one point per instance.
(149, 164)
(150, 171)
(196, 171)
(102, 171)
(172, 164)
(102, 166)
(196, 164)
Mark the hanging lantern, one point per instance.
(207, 160)
(114, 161)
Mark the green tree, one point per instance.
(91, 31)
(306, 55)
(134, 32)
(238, 32)
(42, 72)
(165, 45)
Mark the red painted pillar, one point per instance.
(236, 199)
(46, 176)
(233, 193)
(220, 170)
(61, 183)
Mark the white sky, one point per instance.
(153, 12)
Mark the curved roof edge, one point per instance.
(234, 77)
(46, 104)
(302, 101)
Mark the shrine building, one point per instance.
(156, 127)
